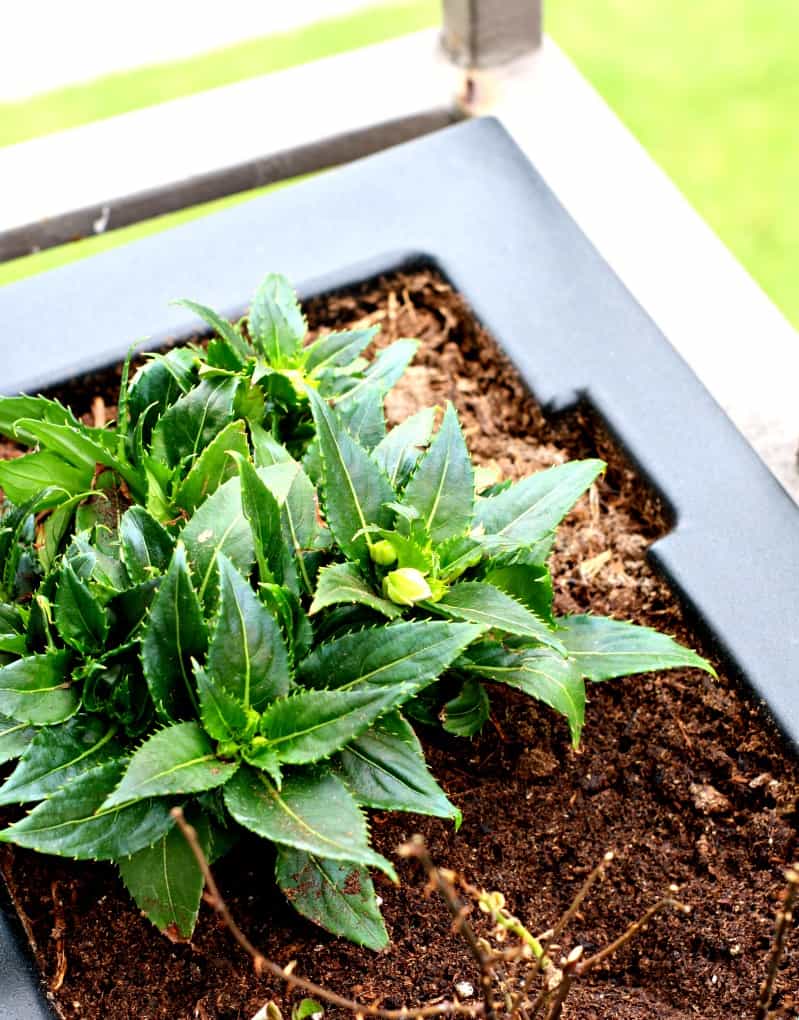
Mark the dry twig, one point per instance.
(781, 929)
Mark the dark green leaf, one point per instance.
(413, 653)
(337, 896)
(14, 738)
(188, 426)
(385, 768)
(531, 508)
(25, 477)
(467, 713)
(313, 812)
(80, 618)
(73, 823)
(479, 602)
(442, 487)
(386, 369)
(246, 654)
(337, 350)
(165, 879)
(266, 449)
(218, 324)
(364, 418)
(145, 545)
(277, 325)
(159, 383)
(399, 453)
(175, 633)
(36, 690)
(218, 526)
(13, 409)
(213, 466)
(177, 760)
(456, 556)
(604, 648)
(531, 585)
(311, 725)
(356, 490)
(296, 497)
(263, 514)
(540, 672)
(56, 755)
(344, 583)
(224, 717)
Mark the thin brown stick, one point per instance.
(781, 929)
(416, 848)
(59, 928)
(570, 970)
(261, 963)
(637, 926)
(567, 917)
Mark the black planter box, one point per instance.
(468, 201)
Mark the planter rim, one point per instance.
(467, 201)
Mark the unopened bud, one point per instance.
(383, 553)
(406, 586)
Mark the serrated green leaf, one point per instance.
(531, 585)
(296, 496)
(356, 490)
(413, 653)
(604, 649)
(263, 514)
(37, 690)
(80, 618)
(530, 509)
(223, 716)
(73, 823)
(364, 418)
(165, 879)
(311, 725)
(213, 466)
(266, 449)
(337, 896)
(383, 372)
(175, 633)
(25, 477)
(14, 738)
(467, 713)
(399, 453)
(159, 383)
(277, 325)
(314, 812)
(246, 654)
(442, 487)
(336, 350)
(540, 672)
(456, 556)
(344, 583)
(13, 644)
(74, 443)
(177, 760)
(55, 528)
(56, 755)
(480, 602)
(385, 768)
(218, 526)
(13, 409)
(218, 324)
(145, 545)
(187, 427)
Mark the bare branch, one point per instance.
(781, 929)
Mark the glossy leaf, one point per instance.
(442, 487)
(336, 895)
(246, 654)
(146, 546)
(540, 672)
(399, 453)
(14, 409)
(213, 466)
(218, 526)
(335, 350)
(356, 490)
(263, 515)
(25, 477)
(467, 713)
(73, 822)
(223, 716)
(79, 616)
(177, 760)
(220, 325)
(385, 768)
(311, 725)
(175, 633)
(56, 755)
(383, 372)
(314, 812)
(413, 653)
(531, 508)
(37, 690)
(14, 738)
(604, 648)
(344, 583)
(364, 418)
(480, 602)
(530, 585)
(165, 879)
(188, 426)
(277, 325)
(296, 497)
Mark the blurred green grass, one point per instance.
(710, 88)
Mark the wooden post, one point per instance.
(488, 33)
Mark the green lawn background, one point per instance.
(710, 87)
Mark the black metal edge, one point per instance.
(544, 292)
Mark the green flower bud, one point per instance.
(383, 553)
(406, 586)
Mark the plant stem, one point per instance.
(781, 929)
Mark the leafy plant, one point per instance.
(235, 600)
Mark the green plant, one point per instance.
(234, 600)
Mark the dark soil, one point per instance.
(680, 774)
